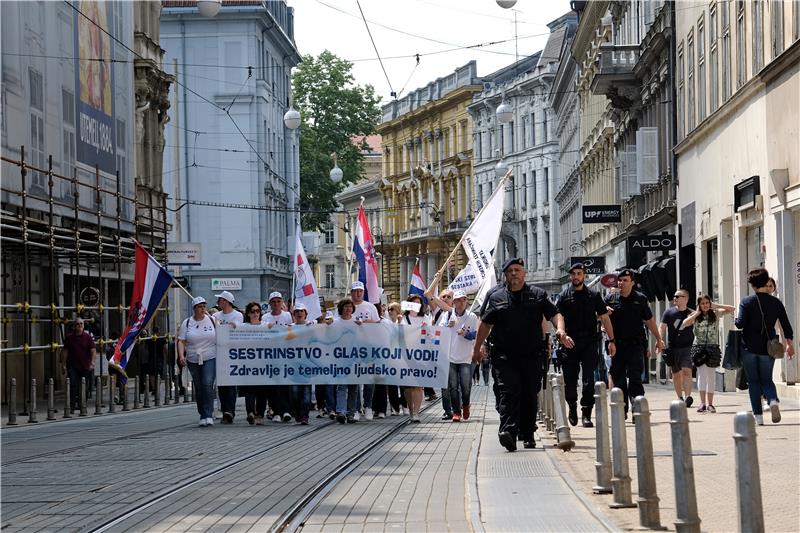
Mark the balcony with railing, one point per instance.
(655, 206)
(616, 75)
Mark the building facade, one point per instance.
(738, 80)
(428, 177)
(230, 143)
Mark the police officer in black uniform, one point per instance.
(511, 322)
(630, 312)
(581, 307)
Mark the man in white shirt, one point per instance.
(279, 396)
(364, 312)
(227, 316)
(463, 325)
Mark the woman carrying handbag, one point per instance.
(757, 316)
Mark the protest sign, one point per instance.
(338, 354)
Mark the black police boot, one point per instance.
(529, 443)
(587, 418)
(508, 441)
(573, 414)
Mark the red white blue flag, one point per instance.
(150, 284)
(417, 285)
(364, 250)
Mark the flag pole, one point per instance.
(297, 235)
(455, 248)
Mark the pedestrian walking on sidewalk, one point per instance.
(706, 353)
(463, 325)
(679, 344)
(581, 308)
(756, 317)
(77, 359)
(510, 321)
(255, 396)
(630, 313)
(227, 317)
(197, 347)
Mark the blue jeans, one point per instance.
(759, 378)
(448, 409)
(301, 401)
(203, 377)
(346, 397)
(460, 377)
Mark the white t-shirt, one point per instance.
(366, 312)
(283, 319)
(460, 347)
(409, 320)
(200, 337)
(234, 317)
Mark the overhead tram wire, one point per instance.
(392, 93)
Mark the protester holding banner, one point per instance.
(364, 312)
(197, 346)
(465, 325)
(280, 396)
(347, 395)
(301, 394)
(397, 401)
(416, 318)
(227, 317)
(255, 396)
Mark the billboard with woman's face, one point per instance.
(94, 85)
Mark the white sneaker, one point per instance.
(276, 418)
(356, 416)
(381, 416)
(775, 410)
(367, 414)
(404, 411)
(209, 421)
(759, 419)
(395, 413)
(202, 423)
(287, 417)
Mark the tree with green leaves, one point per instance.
(334, 111)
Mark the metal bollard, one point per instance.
(83, 398)
(146, 391)
(649, 516)
(685, 495)
(67, 400)
(51, 401)
(186, 392)
(158, 391)
(191, 390)
(621, 480)
(168, 388)
(548, 403)
(112, 404)
(136, 404)
(32, 411)
(563, 438)
(98, 396)
(12, 403)
(602, 465)
(748, 475)
(125, 404)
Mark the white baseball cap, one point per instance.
(197, 300)
(357, 285)
(300, 307)
(459, 293)
(275, 294)
(225, 295)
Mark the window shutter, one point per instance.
(647, 155)
(630, 181)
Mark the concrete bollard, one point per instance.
(602, 465)
(563, 437)
(685, 495)
(12, 403)
(649, 516)
(136, 404)
(67, 399)
(125, 404)
(158, 392)
(32, 413)
(98, 396)
(83, 398)
(621, 480)
(112, 387)
(748, 475)
(146, 391)
(51, 401)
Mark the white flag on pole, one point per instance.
(466, 280)
(488, 283)
(480, 239)
(305, 288)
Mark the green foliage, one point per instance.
(334, 110)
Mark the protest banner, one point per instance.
(338, 354)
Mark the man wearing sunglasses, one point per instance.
(680, 341)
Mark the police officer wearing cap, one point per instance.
(511, 319)
(581, 307)
(630, 312)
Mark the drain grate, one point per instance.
(525, 466)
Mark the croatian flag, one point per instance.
(305, 287)
(417, 285)
(150, 283)
(364, 250)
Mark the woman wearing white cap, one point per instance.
(255, 396)
(464, 326)
(197, 346)
(418, 318)
(301, 394)
(227, 317)
(280, 396)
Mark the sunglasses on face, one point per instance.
(254, 311)
(679, 296)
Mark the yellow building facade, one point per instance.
(427, 178)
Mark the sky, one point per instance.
(435, 29)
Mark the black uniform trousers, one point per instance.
(583, 358)
(518, 381)
(626, 369)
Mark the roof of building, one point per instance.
(193, 3)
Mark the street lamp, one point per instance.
(209, 8)
(506, 4)
(292, 118)
(501, 168)
(504, 112)
(336, 174)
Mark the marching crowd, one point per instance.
(508, 338)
